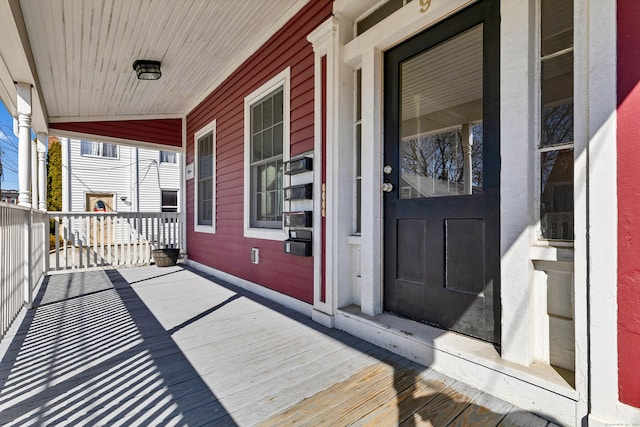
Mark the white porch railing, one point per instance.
(98, 239)
(24, 241)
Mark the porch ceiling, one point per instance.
(84, 51)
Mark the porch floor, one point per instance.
(171, 346)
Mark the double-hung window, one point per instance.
(556, 117)
(98, 149)
(205, 179)
(266, 149)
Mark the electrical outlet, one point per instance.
(255, 255)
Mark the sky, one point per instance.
(8, 151)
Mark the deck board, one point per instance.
(149, 346)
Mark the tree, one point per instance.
(54, 175)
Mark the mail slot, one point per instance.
(296, 192)
(298, 219)
(294, 167)
(297, 247)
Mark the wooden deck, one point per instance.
(151, 346)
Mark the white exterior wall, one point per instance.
(153, 177)
(88, 174)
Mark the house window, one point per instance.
(169, 200)
(381, 11)
(205, 182)
(266, 149)
(168, 157)
(556, 120)
(98, 149)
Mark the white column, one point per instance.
(371, 261)
(42, 171)
(34, 175)
(24, 143)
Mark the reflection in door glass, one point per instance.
(441, 119)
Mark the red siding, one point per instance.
(628, 201)
(156, 131)
(228, 250)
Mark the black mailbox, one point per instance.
(297, 166)
(296, 192)
(298, 234)
(297, 247)
(298, 219)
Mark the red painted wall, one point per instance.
(228, 250)
(628, 145)
(157, 131)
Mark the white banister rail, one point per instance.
(99, 239)
(23, 258)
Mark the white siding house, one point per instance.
(126, 179)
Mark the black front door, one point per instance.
(442, 175)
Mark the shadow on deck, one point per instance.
(150, 346)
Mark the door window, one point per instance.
(441, 119)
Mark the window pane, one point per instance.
(109, 150)
(278, 135)
(168, 157)
(89, 148)
(440, 106)
(256, 151)
(557, 100)
(278, 107)
(556, 201)
(169, 198)
(557, 25)
(256, 115)
(267, 113)
(267, 143)
(358, 94)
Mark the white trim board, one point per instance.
(282, 299)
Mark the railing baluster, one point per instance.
(56, 235)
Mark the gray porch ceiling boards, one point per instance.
(84, 51)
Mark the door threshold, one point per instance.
(539, 387)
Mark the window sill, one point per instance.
(265, 234)
(548, 251)
(204, 229)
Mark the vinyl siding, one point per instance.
(228, 249)
(119, 176)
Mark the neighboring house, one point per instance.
(513, 268)
(99, 176)
(9, 196)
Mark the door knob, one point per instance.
(387, 187)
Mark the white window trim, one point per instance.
(209, 128)
(283, 80)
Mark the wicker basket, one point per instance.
(165, 257)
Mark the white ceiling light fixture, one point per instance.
(147, 70)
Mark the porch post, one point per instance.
(24, 143)
(34, 174)
(42, 171)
